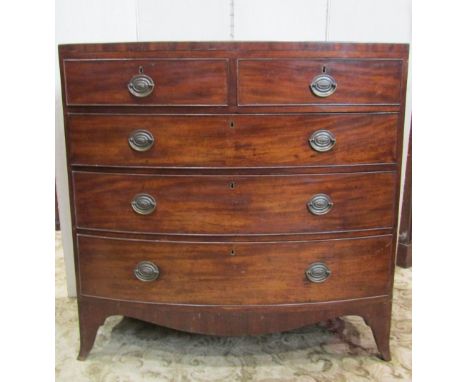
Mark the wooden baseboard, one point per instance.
(404, 252)
(404, 255)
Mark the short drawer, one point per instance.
(234, 273)
(160, 82)
(309, 82)
(232, 140)
(209, 204)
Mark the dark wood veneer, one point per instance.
(286, 82)
(177, 82)
(234, 49)
(362, 170)
(198, 238)
(249, 141)
(222, 320)
(207, 204)
(235, 273)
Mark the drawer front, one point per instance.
(232, 140)
(176, 82)
(235, 273)
(234, 204)
(287, 82)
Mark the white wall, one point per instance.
(80, 21)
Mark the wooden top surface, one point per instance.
(321, 48)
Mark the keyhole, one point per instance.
(324, 69)
(232, 185)
(231, 124)
(140, 70)
(232, 253)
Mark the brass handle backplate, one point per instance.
(323, 85)
(322, 140)
(320, 204)
(146, 271)
(317, 272)
(141, 85)
(143, 204)
(141, 140)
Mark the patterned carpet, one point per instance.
(128, 350)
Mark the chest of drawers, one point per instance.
(234, 188)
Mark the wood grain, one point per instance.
(236, 49)
(256, 204)
(235, 273)
(236, 320)
(265, 155)
(286, 82)
(177, 82)
(232, 140)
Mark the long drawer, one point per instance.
(240, 273)
(234, 204)
(232, 140)
(159, 82)
(307, 82)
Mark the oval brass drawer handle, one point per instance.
(322, 141)
(318, 272)
(323, 85)
(141, 140)
(141, 85)
(143, 204)
(320, 204)
(146, 271)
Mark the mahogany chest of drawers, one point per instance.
(234, 188)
